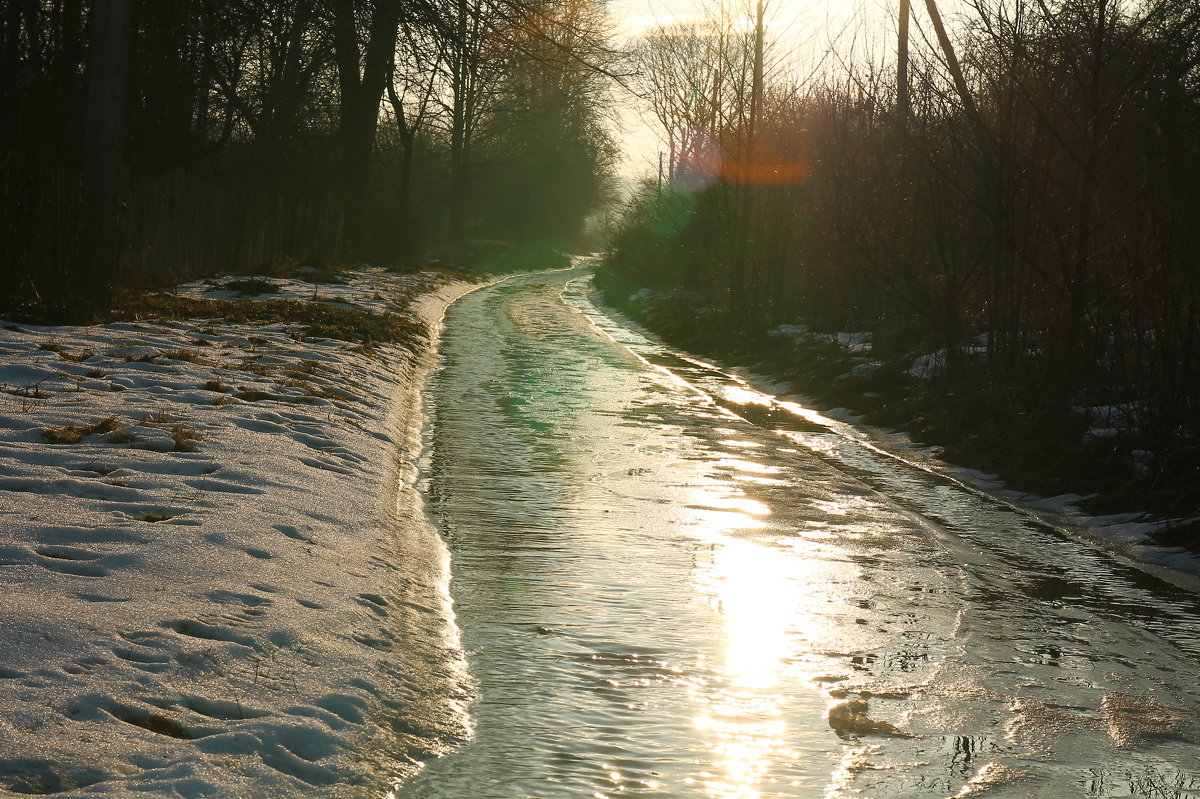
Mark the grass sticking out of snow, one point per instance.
(73, 434)
(185, 438)
(248, 286)
(324, 320)
(216, 556)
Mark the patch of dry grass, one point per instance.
(319, 319)
(76, 357)
(73, 434)
(249, 286)
(254, 395)
(185, 438)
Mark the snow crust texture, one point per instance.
(217, 577)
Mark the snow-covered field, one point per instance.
(216, 575)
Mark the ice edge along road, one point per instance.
(657, 596)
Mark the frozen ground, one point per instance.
(220, 581)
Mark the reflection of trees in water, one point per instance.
(1152, 783)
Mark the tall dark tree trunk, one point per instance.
(955, 68)
(108, 79)
(362, 76)
(407, 133)
(903, 101)
(461, 89)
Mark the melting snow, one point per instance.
(220, 582)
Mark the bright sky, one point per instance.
(638, 140)
(787, 19)
(813, 30)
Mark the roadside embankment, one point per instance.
(218, 579)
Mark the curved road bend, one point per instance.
(669, 585)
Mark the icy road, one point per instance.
(670, 584)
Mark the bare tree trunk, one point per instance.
(465, 67)
(956, 73)
(903, 101)
(742, 283)
(108, 76)
(362, 88)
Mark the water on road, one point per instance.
(670, 585)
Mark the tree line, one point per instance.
(145, 141)
(1015, 190)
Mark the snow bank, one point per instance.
(218, 580)
(931, 365)
(854, 342)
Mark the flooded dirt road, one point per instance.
(670, 585)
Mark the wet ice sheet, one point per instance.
(659, 597)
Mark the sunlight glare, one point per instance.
(745, 396)
(763, 595)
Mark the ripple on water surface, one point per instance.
(658, 597)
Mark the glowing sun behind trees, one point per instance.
(702, 69)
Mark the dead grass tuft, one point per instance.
(319, 319)
(250, 286)
(184, 355)
(76, 357)
(31, 391)
(322, 274)
(256, 368)
(254, 395)
(185, 438)
(304, 370)
(73, 434)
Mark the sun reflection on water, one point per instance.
(764, 596)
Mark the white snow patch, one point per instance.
(854, 342)
(788, 331)
(930, 365)
(1095, 434)
(861, 370)
(227, 587)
